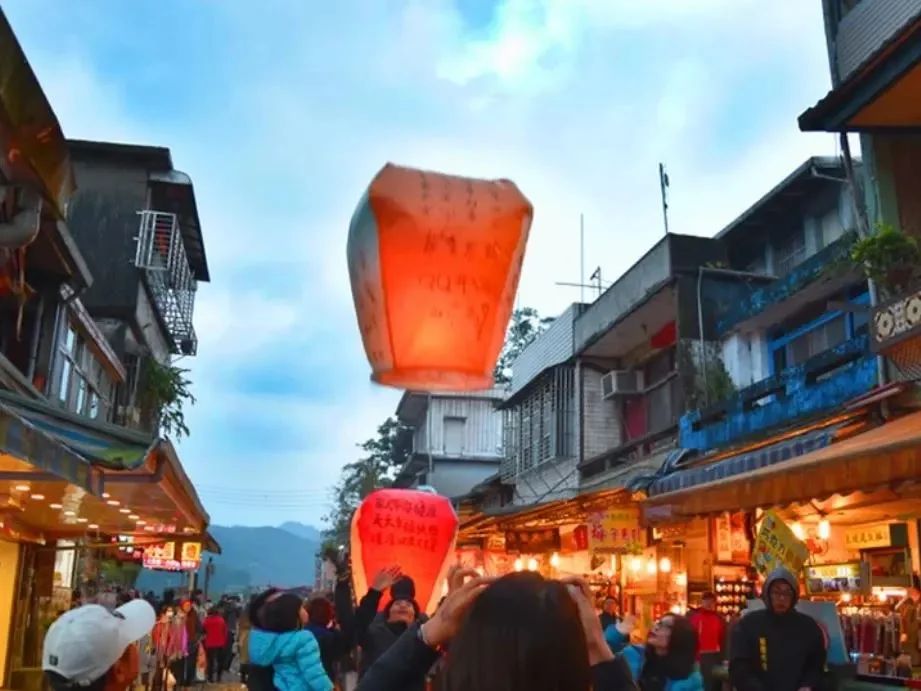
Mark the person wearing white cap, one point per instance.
(92, 649)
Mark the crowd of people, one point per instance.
(517, 632)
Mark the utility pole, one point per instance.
(663, 187)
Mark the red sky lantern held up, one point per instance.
(410, 528)
(434, 262)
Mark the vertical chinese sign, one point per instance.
(616, 530)
(776, 545)
(413, 529)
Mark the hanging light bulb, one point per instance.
(681, 579)
(665, 564)
(532, 564)
(845, 597)
(824, 529)
(635, 564)
(798, 531)
(651, 566)
(519, 565)
(554, 560)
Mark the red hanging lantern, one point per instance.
(434, 262)
(410, 528)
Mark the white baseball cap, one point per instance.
(85, 643)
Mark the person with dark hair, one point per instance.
(711, 632)
(777, 648)
(282, 643)
(93, 649)
(334, 642)
(608, 616)
(215, 641)
(376, 631)
(668, 660)
(521, 631)
(258, 677)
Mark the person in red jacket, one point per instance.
(216, 636)
(711, 631)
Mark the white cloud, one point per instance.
(575, 100)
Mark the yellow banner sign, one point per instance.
(867, 537)
(776, 545)
(616, 529)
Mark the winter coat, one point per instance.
(635, 657)
(216, 633)
(407, 661)
(777, 652)
(294, 657)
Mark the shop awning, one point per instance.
(106, 445)
(733, 466)
(33, 145)
(879, 95)
(34, 454)
(886, 455)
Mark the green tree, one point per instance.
(384, 454)
(524, 327)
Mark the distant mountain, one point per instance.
(308, 532)
(252, 558)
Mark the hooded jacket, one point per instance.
(294, 657)
(769, 651)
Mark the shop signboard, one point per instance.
(616, 530)
(876, 536)
(532, 541)
(832, 579)
(164, 556)
(732, 544)
(776, 545)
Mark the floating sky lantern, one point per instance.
(413, 529)
(434, 262)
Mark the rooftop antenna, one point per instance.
(582, 258)
(596, 276)
(663, 187)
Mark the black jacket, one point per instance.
(408, 660)
(376, 636)
(776, 652)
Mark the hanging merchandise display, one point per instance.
(732, 596)
(434, 262)
(414, 529)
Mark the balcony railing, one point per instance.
(818, 385)
(816, 269)
(161, 255)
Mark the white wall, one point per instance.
(482, 437)
(745, 356)
(552, 347)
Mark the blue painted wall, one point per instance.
(791, 395)
(808, 271)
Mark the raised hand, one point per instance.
(386, 578)
(581, 593)
(447, 618)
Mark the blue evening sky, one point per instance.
(282, 111)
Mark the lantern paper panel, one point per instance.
(415, 530)
(434, 262)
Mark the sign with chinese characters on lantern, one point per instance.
(616, 529)
(434, 263)
(776, 545)
(532, 541)
(412, 529)
(164, 556)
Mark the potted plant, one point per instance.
(165, 389)
(888, 257)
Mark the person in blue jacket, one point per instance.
(668, 660)
(282, 643)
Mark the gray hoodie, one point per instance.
(780, 574)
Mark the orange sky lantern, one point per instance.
(434, 262)
(410, 528)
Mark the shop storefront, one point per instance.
(845, 518)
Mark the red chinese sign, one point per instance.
(413, 529)
(163, 557)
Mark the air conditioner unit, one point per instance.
(621, 383)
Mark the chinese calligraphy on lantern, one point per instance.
(776, 545)
(404, 523)
(617, 529)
